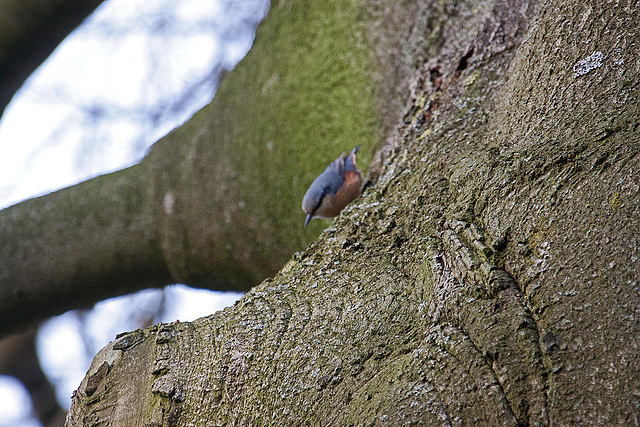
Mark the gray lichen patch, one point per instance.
(588, 64)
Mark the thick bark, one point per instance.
(29, 31)
(489, 277)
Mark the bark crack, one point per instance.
(492, 311)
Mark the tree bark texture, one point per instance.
(489, 277)
(29, 31)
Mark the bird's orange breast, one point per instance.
(349, 191)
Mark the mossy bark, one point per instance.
(489, 277)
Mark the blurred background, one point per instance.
(132, 72)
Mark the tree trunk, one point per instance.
(490, 276)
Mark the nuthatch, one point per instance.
(335, 188)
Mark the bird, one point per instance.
(335, 188)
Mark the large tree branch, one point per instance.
(29, 31)
(52, 260)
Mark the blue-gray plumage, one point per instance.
(335, 188)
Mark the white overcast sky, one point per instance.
(82, 113)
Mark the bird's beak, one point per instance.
(306, 222)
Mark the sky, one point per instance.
(132, 72)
